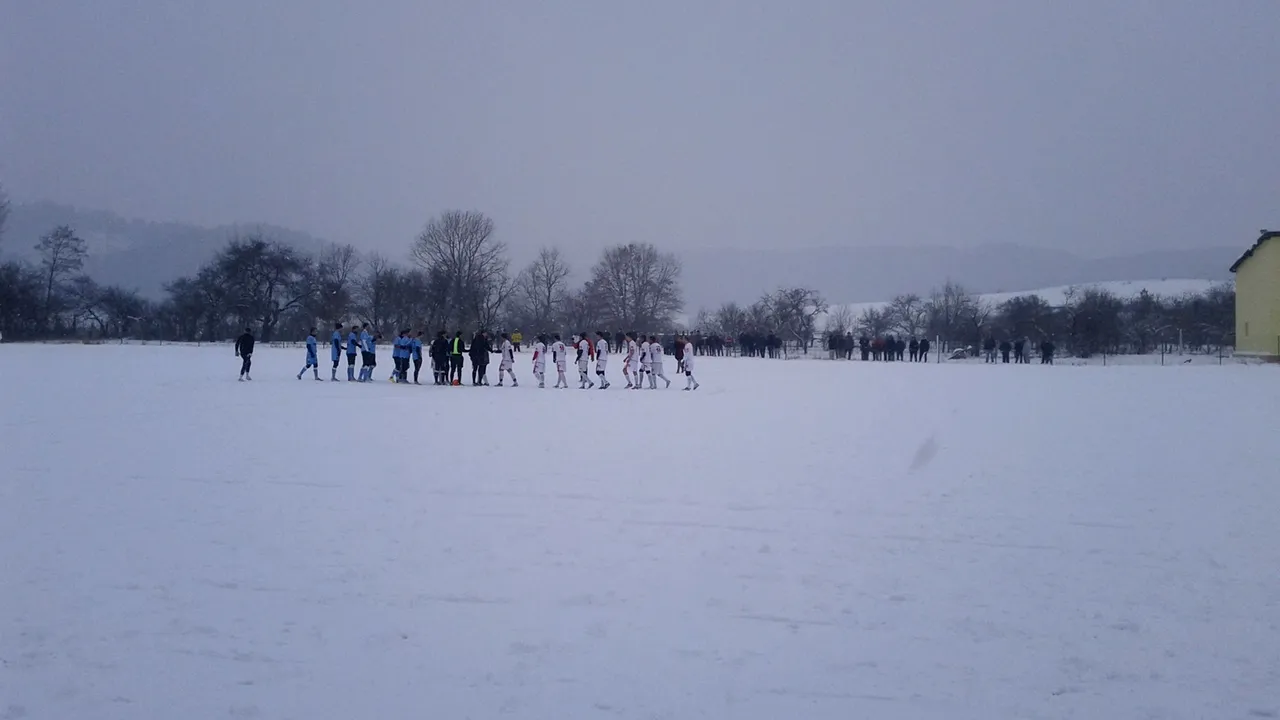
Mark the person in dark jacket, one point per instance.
(1046, 352)
(456, 348)
(924, 350)
(244, 351)
(1019, 351)
(440, 359)
(480, 358)
(914, 347)
(1005, 348)
(415, 351)
(989, 349)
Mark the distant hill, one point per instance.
(135, 254)
(1056, 296)
(869, 274)
(146, 255)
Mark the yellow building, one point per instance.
(1258, 298)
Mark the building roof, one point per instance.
(1266, 235)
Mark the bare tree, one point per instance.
(4, 210)
(459, 245)
(874, 322)
(265, 280)
(636, 287)
(731, 319)
(581, 314)
(62, 253)
(377, 286)
(794, 312)
(336, 276)
(948, 313)
(541, 290)
(839, 321)
(705, 322)
(492, 304)
(908, 315)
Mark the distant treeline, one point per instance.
(1091, 320)
(459, 277)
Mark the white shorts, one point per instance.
(601, 365)
(560, 366)
(504, 366)
(539, 368)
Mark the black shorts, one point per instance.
(368, 359)
(351, 359)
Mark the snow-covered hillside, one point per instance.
(1057, 295)
(817, 540)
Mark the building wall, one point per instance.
(1258, 302)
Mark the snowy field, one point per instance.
(794, 540)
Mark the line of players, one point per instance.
(643, 359)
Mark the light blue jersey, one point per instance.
(366, 341)
(353, 343)
(336, 351)
(415, 347)
(313, 357)
(371, 344)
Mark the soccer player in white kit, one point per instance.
(631, 363)
(690, 383)
(540, 360)
(602, 358)
(644, 360)
(508, 361)
(655, 364)
(583, 344)
(558, 357)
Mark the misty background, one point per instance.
(862, 149)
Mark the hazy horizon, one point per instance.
(1095, 128)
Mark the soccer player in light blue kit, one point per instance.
(370, 356)
(399, 353)
(353, 347)
(335, 352)
(313, 359)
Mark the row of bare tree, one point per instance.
(459, 277)
(1090, 320)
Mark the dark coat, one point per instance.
(480, 351)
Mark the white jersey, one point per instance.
(508, 356)
(602, 354)
(655, 357)
(539, 356)
(688, 357)
(584, 346)
(557, 355)
(633, 356)
(644, 355)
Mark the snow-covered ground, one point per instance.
(816, 540)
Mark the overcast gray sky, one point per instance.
(1100, 126)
